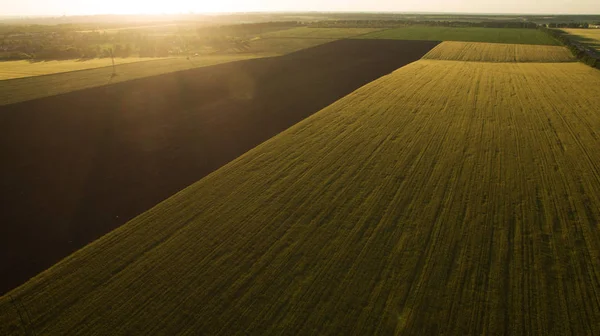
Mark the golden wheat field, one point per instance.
(498, 52)
(448, 198)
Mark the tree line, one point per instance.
(404, 23)
(568, 25)
(68, 42)
(584, 53)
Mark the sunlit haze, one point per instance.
(78, 7)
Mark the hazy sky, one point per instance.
(77, 7)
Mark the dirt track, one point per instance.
(78, 165)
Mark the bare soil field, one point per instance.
(77, 165)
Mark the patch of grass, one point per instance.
(462, 192)
(22, 89)
(499, 52)
(467, 34)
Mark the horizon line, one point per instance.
(285, 12)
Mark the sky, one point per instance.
(86, 7)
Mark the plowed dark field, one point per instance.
(76, 166)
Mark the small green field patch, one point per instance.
(325, 33)
(466, 34)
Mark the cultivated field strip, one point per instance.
(446, 198)
(499, 52)
(21, 69)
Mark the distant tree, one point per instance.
(105, 53)
(14, 56)
(126, 50)
(117, 50)
(89, 53)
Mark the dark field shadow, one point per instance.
(77, 165)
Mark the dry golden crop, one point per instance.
(448, 198)
(21, 69)
(497, 52)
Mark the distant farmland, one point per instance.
(590, 37)
(72, 75)
(20, 69)
(284, 45)
(78, 165)
(28, 88)
(327, 33)
(457, 198)
(498, 52)
(467, 34)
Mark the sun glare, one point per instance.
(170, 7)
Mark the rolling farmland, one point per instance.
(445, 198)
(467, 34)
(498, 52)
(78, 165)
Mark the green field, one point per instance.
(457, 198)
(282, 46)
(325, 33)
(467, 34)
(22, 89)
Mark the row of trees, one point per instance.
(246, 29)
(45, 43)
(402, 23)
(568, 25)
(64, 53)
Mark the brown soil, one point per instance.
(77, 165)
